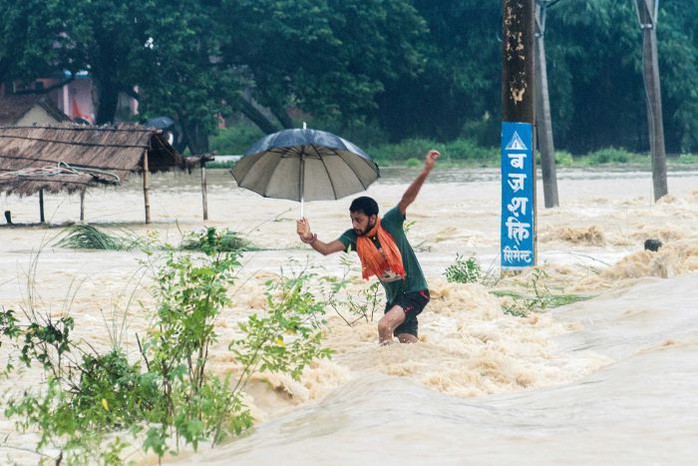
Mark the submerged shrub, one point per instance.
(463, 271)
(212, 239)
(539, 298)
(169, 398)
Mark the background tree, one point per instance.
(459, 81)
(34, 42)
(183, 74)
(330, 58)
(109, 39)
(400, 68)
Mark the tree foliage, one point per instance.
(409, 67)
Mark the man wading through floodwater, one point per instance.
(385, 252)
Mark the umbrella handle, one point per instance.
(302, 179)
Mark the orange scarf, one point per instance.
(372, 261)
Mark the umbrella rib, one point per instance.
(329, 176)
(273, 172)
(353, 172)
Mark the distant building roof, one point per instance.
(14, 107)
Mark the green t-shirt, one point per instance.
(414, 281)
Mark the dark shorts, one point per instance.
(412, 304)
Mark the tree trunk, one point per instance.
(258, 118)
(282, 115)
(107, 101)
(543, 119)
(195, 136)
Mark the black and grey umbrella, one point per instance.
(305, 165)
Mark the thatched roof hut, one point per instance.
(71, 157)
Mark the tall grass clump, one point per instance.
(85, 236)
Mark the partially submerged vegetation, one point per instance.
(225, 240)
(95, 406)
(85, 236)
(538, 296)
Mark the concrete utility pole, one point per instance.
(543, 120)
(518, 221)
(517, 64)
(647, 16)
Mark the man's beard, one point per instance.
(368, 228)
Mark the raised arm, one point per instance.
(303, 230)
(412, 191)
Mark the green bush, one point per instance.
(404, 150)
(458, 150)
(234, 140)
(688, 159)
(463, 271)
(467, 149)
(223, 240)
(563, 158)
(413, 162)
(170, 399)
(609, 155)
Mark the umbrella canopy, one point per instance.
(305, 165)
(161, 122)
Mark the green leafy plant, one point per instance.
(168, 398)
(540, 298)
(225, 240)
(287, 338)
(350, 307)
(463, 270)
(85, 398)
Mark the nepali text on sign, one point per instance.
(517, 221)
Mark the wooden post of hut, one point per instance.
(204, 194)
(146, 188)
(82, 204)
(42, 218)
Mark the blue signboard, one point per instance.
(518, 208)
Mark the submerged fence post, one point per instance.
(146, 195)
(82, 204)
(204, 189)
(42, 218)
